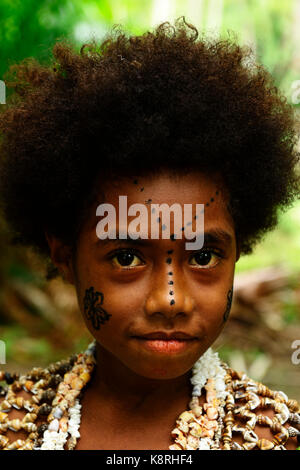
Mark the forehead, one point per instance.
(165, 186)
(169, 187)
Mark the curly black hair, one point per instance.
(131, 104)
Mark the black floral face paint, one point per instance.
(92, 308)
(228, 306)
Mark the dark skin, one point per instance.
(137, 394)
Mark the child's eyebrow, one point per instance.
(212, 236)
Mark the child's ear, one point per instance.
(61, 256)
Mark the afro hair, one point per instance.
(132, 104)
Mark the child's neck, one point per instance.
(119, 384)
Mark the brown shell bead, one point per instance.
(263, 390)
(293, 406)
(27, 446)
(281, 437)
(28, 385)
(265, 421)
(44, 410)
(3, 417)
(16, 444)
(15, 425)
(4, 427)
(5, 405)
(3, 441)
(229, 419)
(249, 445)
(275, 427)
(48, 396)
(265, 444)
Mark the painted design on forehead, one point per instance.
(92, 308)
(212, 199)
(206, 204)
(228, 306)
(141, 189)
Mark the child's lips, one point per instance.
(166, 342)
(164, 336)
(166, 346)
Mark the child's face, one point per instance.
(127, 290)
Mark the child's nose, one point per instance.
(169, 296)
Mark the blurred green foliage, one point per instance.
(30, 28)
(279, 247)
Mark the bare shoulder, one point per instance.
(263, 418)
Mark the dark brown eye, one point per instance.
(205, 259)
(126, 258)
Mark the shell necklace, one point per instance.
(57, 390)
(202, 426)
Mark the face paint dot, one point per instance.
(195, 217)
(211, 199)
(182, 228)
(170, 283)
(172, 302)
(170, 273)
(170, 252)
(173, 237)
(169, 260)
(207, 204)
(171, 292)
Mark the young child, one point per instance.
(163, 118)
